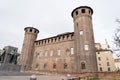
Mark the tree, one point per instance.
(117, 39)
(117, 35)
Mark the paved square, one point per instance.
(41, 77)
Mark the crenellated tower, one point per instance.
(84, 45)
(28, 47)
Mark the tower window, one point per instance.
(71, 51)
(81, 32)
(83, 65)
(83, 10)
(86, 47)
(30, 30)
(35, 31)
(89, 11)
(76, 12)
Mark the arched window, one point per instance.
(65, 66)
(83, 65)
(54, 66)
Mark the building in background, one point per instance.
(117, 64)
(105, 60)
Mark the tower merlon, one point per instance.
(82, 9)
(31, 29)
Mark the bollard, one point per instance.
(33, 77)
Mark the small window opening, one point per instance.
(30, 30)
(35, 31)
(83, 10)
(89, 11)
(76, 12)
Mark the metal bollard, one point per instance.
(33, 77)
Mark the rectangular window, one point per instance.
(108, 69)
(108, 64)
(83, 10)
(51, 53)
(81, 32)
(45, 53)
(86, 47)
(71, 51)
(59, 52)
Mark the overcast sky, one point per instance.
(53, 17)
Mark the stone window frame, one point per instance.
(83, 65)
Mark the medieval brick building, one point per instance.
(72, 52)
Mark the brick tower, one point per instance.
(28, 47)
(84, 45)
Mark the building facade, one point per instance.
(117, 64)
(105, 60)
(72, 52)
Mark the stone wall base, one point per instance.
(10, 67)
